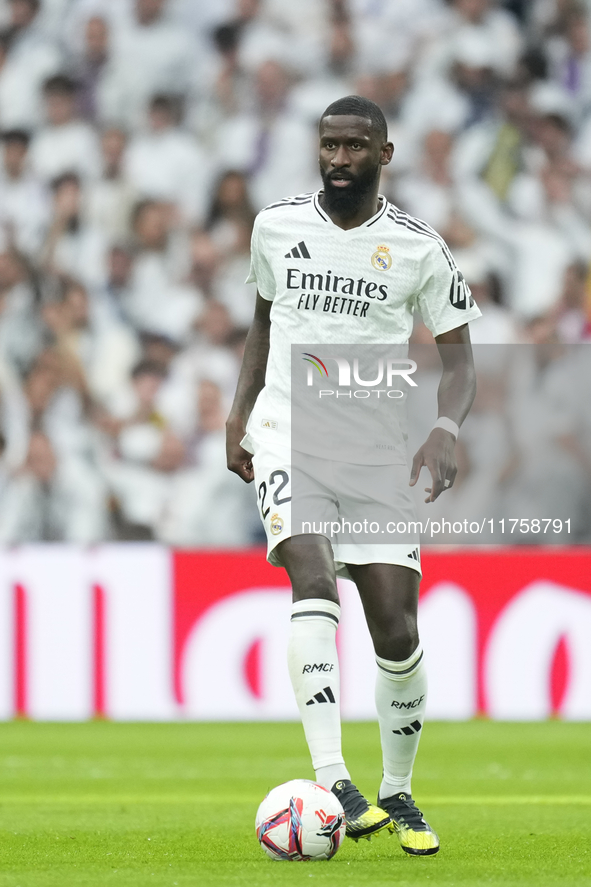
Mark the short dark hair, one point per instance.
(140, 207)
(60, 84)
(148, 368)
(6, 38)
(66, 178)
(226, 37)
(170, 103)
(358, 106)
(16, 135)
(559, 121)
(150, 337)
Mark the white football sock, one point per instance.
(314, 672)
(401, 697)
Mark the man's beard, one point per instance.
(348, 201)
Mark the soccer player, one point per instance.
(369, 248)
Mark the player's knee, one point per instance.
(396, 642)
(315, 587)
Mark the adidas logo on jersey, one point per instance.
(414, 554)
(325, 696)
(408, 731)
(299, 252)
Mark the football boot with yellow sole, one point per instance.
(415, 834)
(362, 818)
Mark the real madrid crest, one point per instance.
(276, 524)
(381, 259)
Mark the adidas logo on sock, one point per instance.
(414, 554)
(299, 252)
(408, 731)
(325, 696)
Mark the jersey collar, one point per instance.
(367, 224)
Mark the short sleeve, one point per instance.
(445, 300)
(260, 269)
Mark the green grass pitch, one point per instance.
(101, 804)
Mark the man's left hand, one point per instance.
(438, 454)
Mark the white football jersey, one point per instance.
(334, 286)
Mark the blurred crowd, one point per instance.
(140, 138)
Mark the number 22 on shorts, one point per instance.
(278, 480)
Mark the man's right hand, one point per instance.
(250, 384)
(238, 459)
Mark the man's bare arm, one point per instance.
(250, 383)
(454, 399)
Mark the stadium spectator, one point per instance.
(205, 259)
(571, 318)
(428, 191)
(91, 69)
(144, 451)
(73, 246)
(158, 299)
(229, 226)
(544, 422)
(224, 85)
(497, 324)
(97, 347)
(66, 143)
(495, 151)
(496, 25)
(20, 324)
(201, 498)
(458, 96)
(52, 499)
(111, 197)
(30, 57)
(267, 142)
(114, 295)
(166, 163)
(24, 200)
(151, 54)
(569, 60)
(210, 353)
(231, 210)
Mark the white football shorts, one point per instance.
(334, 499)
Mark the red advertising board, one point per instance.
(541, 599)
(140, 632)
